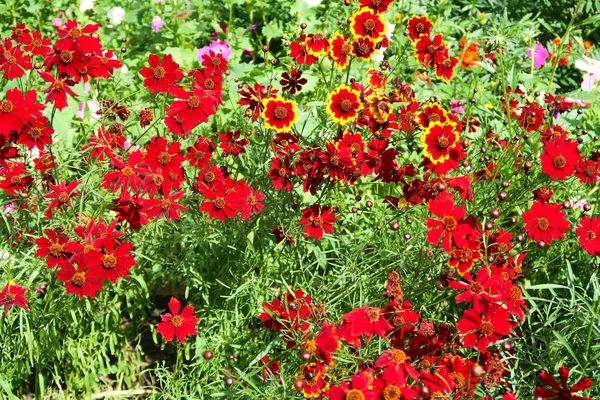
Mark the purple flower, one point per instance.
(539, 57)
(217, 47)
(157, 23)
(250, 28)
(456, 106)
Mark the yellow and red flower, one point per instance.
(418, 26)
(312, 376)
(340, 49)
(344, 104)
(431, 52)
(279, 114)
(438, 139)
(376, 79)
(363, 48)
(432, 113)
(366, 23)
(317, 44)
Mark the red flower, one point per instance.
(126, 174)
(344, 104)
(280, 172)
(71, 62)
(20, 34)
(561, 391)
(221, 204)
(57, 90)
(167, 207)
(337, 160)
(38, 46)
(16, 179)
(542, 194)
(162, 74)
(200, 154)
(560, 158)
(159, 156)
(449, 229)
(363, 48)
(398, 361)
(131, 209)
(482, 288)
(439, 140)
(359, 388)
(432, 113)
(532, 116)
(85, 39)
(317, 44)
(114, 262)
(81, 281)
(445, 70)
(214, 63)
(253, 98)
(232, 144)
(13, 295)
(545, 222)
(588, 232)
(324, 344)
(248, 200)
(367, 321)
(279, 114)
(17, 110)
(464, 258)
(52, 247)
(175, 325)
(587, 171)
(299, 52)
(36, 134)
(483, 328)
(316, 221)
(312, 375)
(418, 26)
(191, 109)
(61, 196)
(379, 6)
(12, 62)
(431, 52)
(392, 385)
(366, 23)
(340, 50)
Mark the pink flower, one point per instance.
(218, 47)
(456, 106)
(539, 57)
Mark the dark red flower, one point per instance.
(366, 321)
(358, 389)
(587, 171)
(418, 26)
(449, 229)
(36, 134)
(20, 34)
(220, 203)
(17, 110)
(431, 52)
(176, 325)
(38, 46)
(158, 155)
(316, 221)
(167, 207)
(484, 327)
(561, 391)
(280, 173)
(232, 144)
(12, 61)
(57, 90)
(85, 39)
(52, 247)
(81, 281)
(60, 196)
(13, 295)
(292, 82)
(114, 262)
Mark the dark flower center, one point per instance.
(16, 180)
(159, 72)
(476, 288)
(363, 49)
(431, 48)
(199, 155)
(36, 43)
(58, 85)
(317, 221)
(78, 279)
(209, 84)
(516, 293)
(591, 235)
(9, 298)
(559, 162)
(177, 321)
(209, 177)
(458, 380)
(215, 61)
(63, 197)
(251, 200)
(590, 171)
(157, 179)
(443, 142)
(164, 158)
(564, 394)
(280, 112)
(219, 202)
(543, 223)
(193, 102)
(35, 133)
(75, 33)
(449, 222)
(12, 60)
(486, 328)
(104, 60)
(419, 27)
(391, 392)
(335, 160)
(18, 32)
(466, 255)
(433, 117)
(109, 261)
(66, 56)
(282, 172)
(346, 105)
(369, 25)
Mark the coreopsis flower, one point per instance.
(106, 141)
(366, 23)
(220, 203)
(162, 74)
(438, 382)
(131, 209)
(114, 262)
(540, 55)
(432, 113)
(512, 299)
(543, 194)
(292, 82)
(485, 327)
(146, 117)
(379, 6)
(336, 160)
(358, 388)
(209, 176)
(438, 140)
(16, 179)
(317, 220)
(366, 321)
(57, 90)
(190, 109)
(284, 144)
(483, 288)
(287, 313)
(71, 62)
(176, 325)
(398, 361)
(215, 62)
(561, 390)
(52, 247)
(82, 281)
(449, 229)
(324, 344)
(39, 46)
(340, 50)
(36, 134)
(560, 158)
(127, 174)
(545, 222)
(418, 26)
(344, 104)
(299, 51)
(158, 155)
(588, 232)
(249, 201)
(317, 44)
(20, 34)
(280, 173)
(393, 385)
(279, 114)
(13, 63)
(363, 48)
(17, 110)
(60, 196)
(13, 295)
(445, 70)
(200, 154)
(532, 116)
(232, 144)
(73, 36)
(464, 258)
(431, 52)
(587, 171)
(314, 379)
(253, 98)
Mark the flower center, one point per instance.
(317, 221)
(476, 288)
(199, 155)
(66, 57)
(252, 200)
(9, 298)
(165, 204)
(486, 328)
(209, 177)
(35, 133)
(7, 107)
(564, 394)
(127, 171)
(363, 49)
(373, 314)
(282, 172)
(346, 105)
(12, 60)
(63, 197)
(369, 25)
(431, 48)
(591, 235)
(164, 158)
(391, 392)
(209, 84)
(443, 142)
(215, 61)
(75, 33)
(104, 60)
(398, 355)
(458, 380)
(157, 179)
(590, 171)
(280, 112)
(36, 43)
(177, 321)
(516, 293)
(78, 279)
(158, 72)
(449, 222)
(530, 119)
(355, 394)
(18, 32)
(543, 223)
(56, 250)
(109, 261)
(433, 117)
(420, 27)
(193, 102)
(559, 162)
(16, 180)
(58, 85)
(219, 202)
(335, 160)
(466, 255)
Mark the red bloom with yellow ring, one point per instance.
(366, 23)
(344, 104)
(438, 140)
(279, 114)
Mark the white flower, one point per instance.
(378, 54)
(124, 69)
(86, 5)
(115, 15)
(312, 3)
